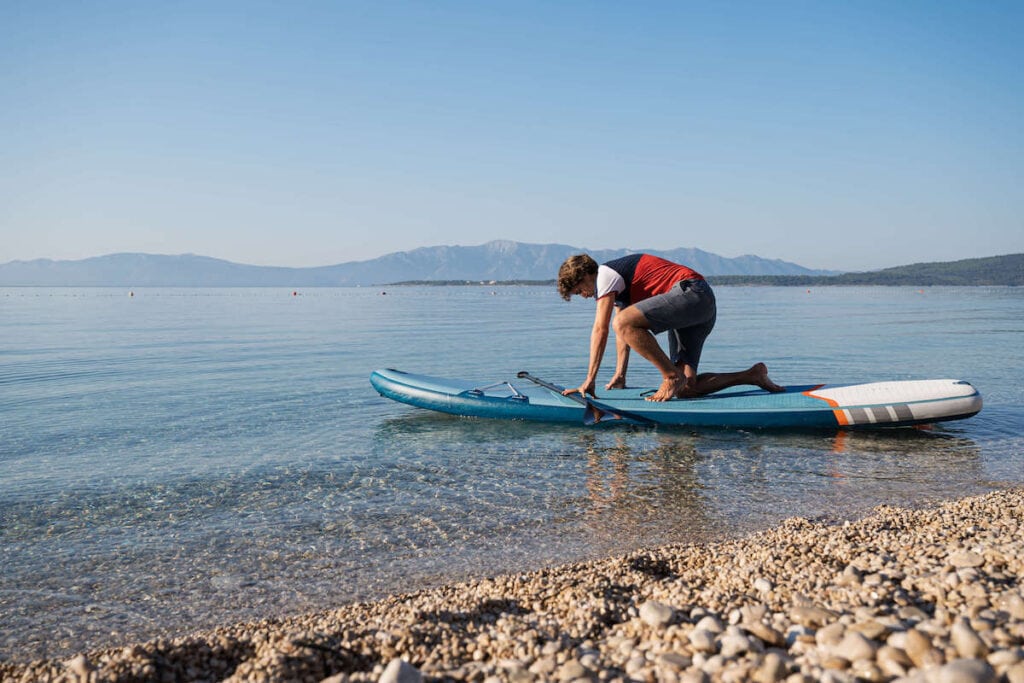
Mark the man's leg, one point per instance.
(679, 381)
(631, 326)
(710, 382)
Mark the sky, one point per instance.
(837, 135)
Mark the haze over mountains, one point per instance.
(497, 260)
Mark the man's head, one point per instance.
(573, 272)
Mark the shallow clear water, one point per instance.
(182, 458)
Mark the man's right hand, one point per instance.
(582, 390)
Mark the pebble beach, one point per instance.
(931, 594)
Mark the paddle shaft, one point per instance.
(600, 409)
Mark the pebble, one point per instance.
(711, 624)
(927, 595)
(79, 666)
(1005, 657)
(544, 666)
(571, 670)
(1015, 673)
(830, 635)
(772, 669)
(864, 670)
(854, 646)
(966, 558)
(811, 616)
(732, 645)
(401, 671)
(635, 664)
(656, 614)
(1012, 603)
(872, 630)
(963, 671)
(968, 644)
(767, 634)
(919, 649)
(702, 640)
(752, 614)
(893, 661)
(674, 660)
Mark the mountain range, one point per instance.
(499, 260)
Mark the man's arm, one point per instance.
(598, 341)
(618, 381)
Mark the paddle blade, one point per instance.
(592, 415)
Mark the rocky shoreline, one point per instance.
(934, 594)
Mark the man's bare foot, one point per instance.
(616, 383)
(760, 373)
(669, 389)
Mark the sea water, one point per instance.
(175, 459)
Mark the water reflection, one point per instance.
(638, 485)
(608, 490)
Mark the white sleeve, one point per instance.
(608, 282)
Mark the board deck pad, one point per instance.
(872, 405)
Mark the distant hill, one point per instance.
(145, 270)
(1005, 270)
(498, 260)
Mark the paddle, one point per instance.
(595, 412)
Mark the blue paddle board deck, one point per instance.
(873, 405)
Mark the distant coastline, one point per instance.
(497, 262)
(993, 271)
(1005, 270)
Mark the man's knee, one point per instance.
(629, 320)
(621, 324)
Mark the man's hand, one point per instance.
(582, 390)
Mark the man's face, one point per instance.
(586, 287)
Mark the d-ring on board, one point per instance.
(479, 391)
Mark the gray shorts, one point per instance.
(687, 312)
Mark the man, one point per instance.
(653, 295)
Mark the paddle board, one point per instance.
(873, 405)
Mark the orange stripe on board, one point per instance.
(836, 410)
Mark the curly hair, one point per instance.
(572, 272)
